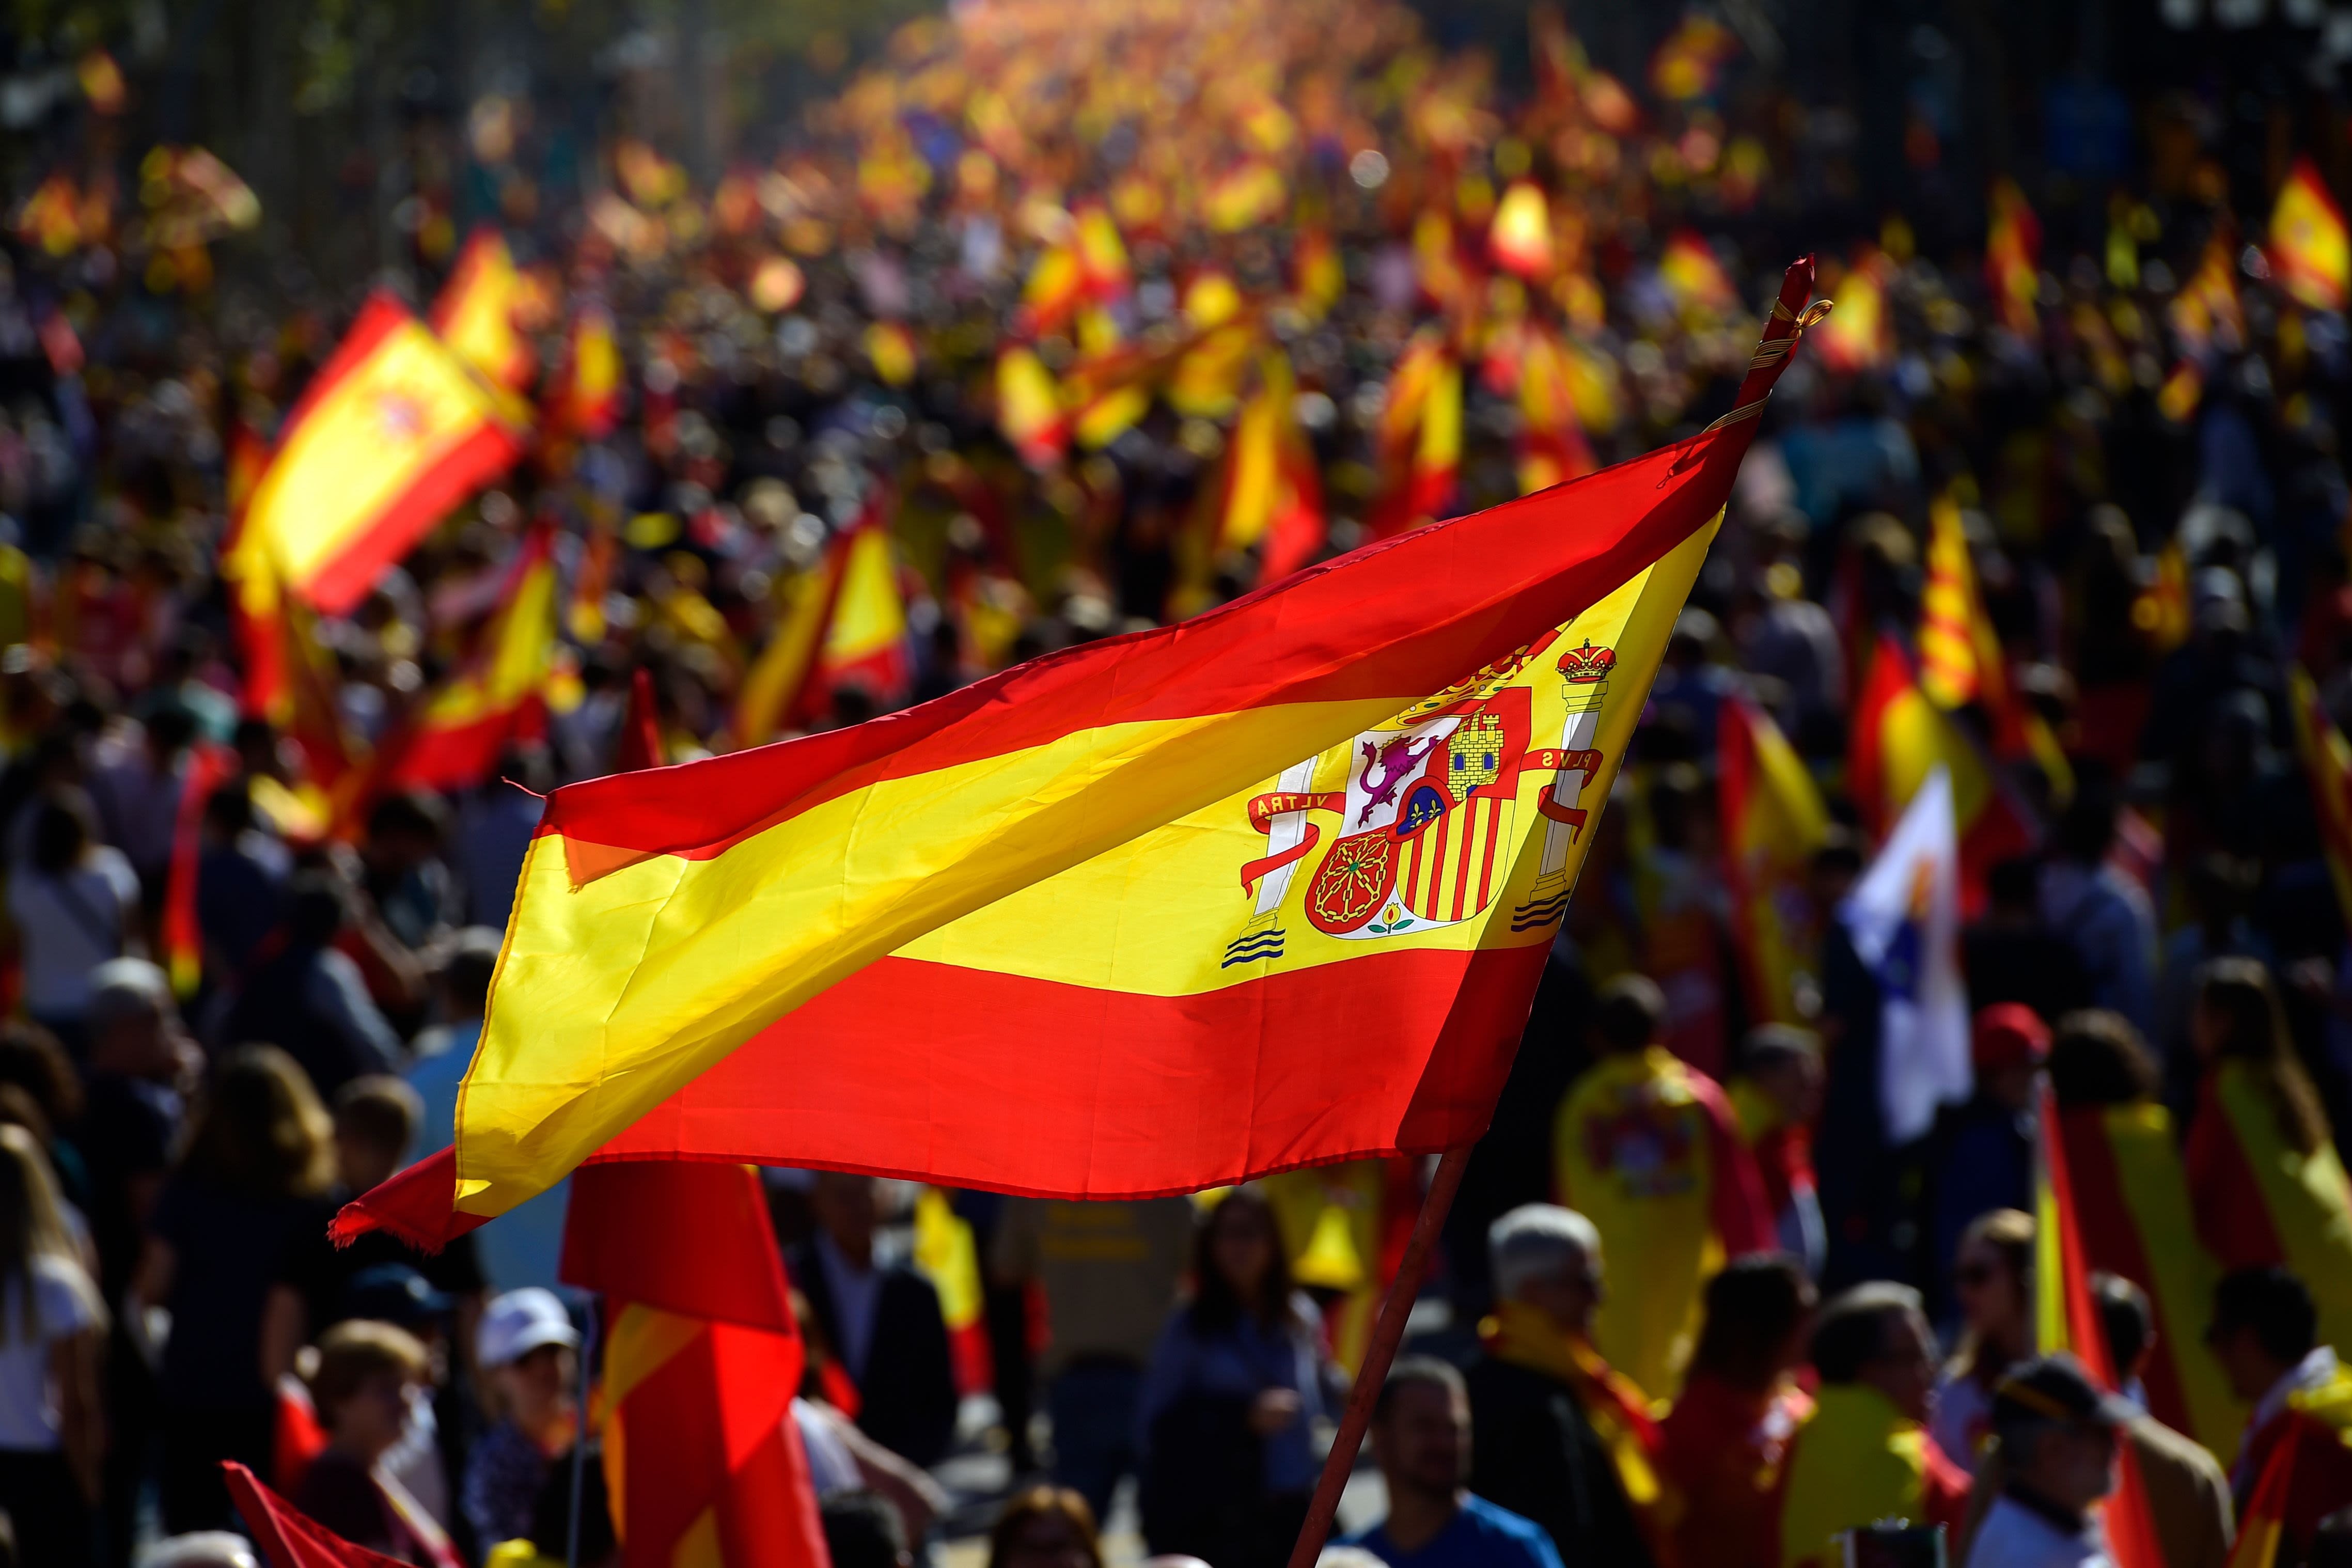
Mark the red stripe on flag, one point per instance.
(910, 1081)
(2104, 1224)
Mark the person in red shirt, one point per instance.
(1722, 1444)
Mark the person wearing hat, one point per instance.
(1980, 1154)
(2188, 1496)
(2059, 1433)
(529, 1351)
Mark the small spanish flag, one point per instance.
(209, 765)
(842, 623)
(1773, 821)
(497, 695)
(1900, 737)
(392, 432)
(1861, 336)
(585, 399)
(1696, 278)
(1418, 438)
(2013, 259)
(475, 311)
(1520, 237)
(1552, 448)
(2310, 253)
(1332, 827)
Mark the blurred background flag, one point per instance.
(1903, 917)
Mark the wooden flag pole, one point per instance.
(1387, 1331)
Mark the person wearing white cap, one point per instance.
(530, 1352)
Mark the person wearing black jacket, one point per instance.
(881, 1322)
(1539, 1398)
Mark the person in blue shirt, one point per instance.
(1421, 1439)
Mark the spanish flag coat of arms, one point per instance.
(1266, 888)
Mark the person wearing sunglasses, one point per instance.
(1990, 1275)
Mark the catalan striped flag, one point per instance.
(1266, 889)
(474, 312)
(1773, 821)
(2310, 251)
(2013, 260)
(392, 432)
(2066, 1319)
(703, 1461)
(1961, 660)
(496, 696)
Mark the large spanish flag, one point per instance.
(1265, 889)
(475, 311)
(392, 432)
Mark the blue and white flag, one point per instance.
(1904, 919)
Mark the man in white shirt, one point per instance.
(2059, 1432)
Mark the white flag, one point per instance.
(1904, 919)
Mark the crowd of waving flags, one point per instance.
(1348, 806)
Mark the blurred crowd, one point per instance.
(1102, 317)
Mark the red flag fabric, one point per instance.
(2067, 1319)
(641, 742)
(687, 1236)
(702, 1453)
(287, 1536)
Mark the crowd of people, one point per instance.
(1103, 316)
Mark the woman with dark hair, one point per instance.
(255, 1177)
(2130, 1189)
(1044, 1527)
(1231, 1398)
(2268, 1186)
(1992, 1274)
(74, 902)
(1721, 1445)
